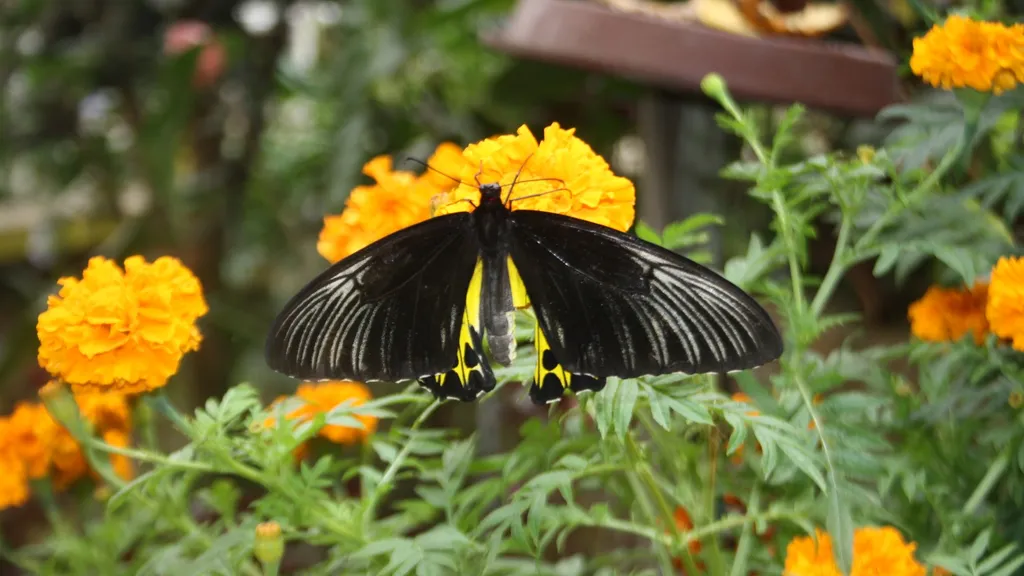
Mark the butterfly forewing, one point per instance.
(392, 311)
(610, 304)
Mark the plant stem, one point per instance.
(779, 205)
(152, 457)
(640, 474)
(158, 401)
(995, 471)
(383, 487)
(739, 564)
(835, 272)
(715, 561)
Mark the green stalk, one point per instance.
(159, 402)
(835, 271)
(739, 564)
(715, 561)
(988, 482)
(639, 477)
(383, 487)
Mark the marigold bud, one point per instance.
(269, 546)
(713, 85)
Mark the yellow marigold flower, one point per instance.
(322, 398)
(945, 314)
(1005, 310)
(14, 479)
(397, 200)
(964, 53)
(875, 551)
(561, 174)
(123, 330)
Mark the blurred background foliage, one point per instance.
(223, 132)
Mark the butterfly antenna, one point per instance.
(559, 180)
(429, 167)
(516, 179)
(562, 189)
(476, 177)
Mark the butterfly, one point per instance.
(418, 304)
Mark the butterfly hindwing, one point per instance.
(471, 374)
(610, 304)
(550, 379)
(395, 310)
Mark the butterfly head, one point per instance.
(490, 193)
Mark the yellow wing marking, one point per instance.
(519, 298)
(550, 379)
(471, 376)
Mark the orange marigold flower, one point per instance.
(105, 411)
(560, 174)
(964, 53)
(322, 398)
(875, 551)
(69, 463)
(1005, 310)
(122, 464)
(14, 479)
(121, 330)
(397, 200)
(745, 398)
(43, 447)
(684, 524)
(32, 432)
(945, 314)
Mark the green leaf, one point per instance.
(980, 545)
(688, 232)
(605, 406)
(997, 559)
(759, 394)
(645, 232)
(660, 410)
(625, 401)
(840, 527)
(690, 410)
(886, 259)
(739, 433)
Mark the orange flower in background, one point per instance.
(945, 314)
(32, 433)
(122, 330)
(397, 200)
(560, 174)
(34, 445)
(745, 398)
(737, 456)
(122, 464)
(965, 53)
(875, 551)
(1005, 309)
(684, 524)
(14, 479)
(322, 398)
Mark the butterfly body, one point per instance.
(418, 304)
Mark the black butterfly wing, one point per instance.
(393, 311)
(610, 304)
